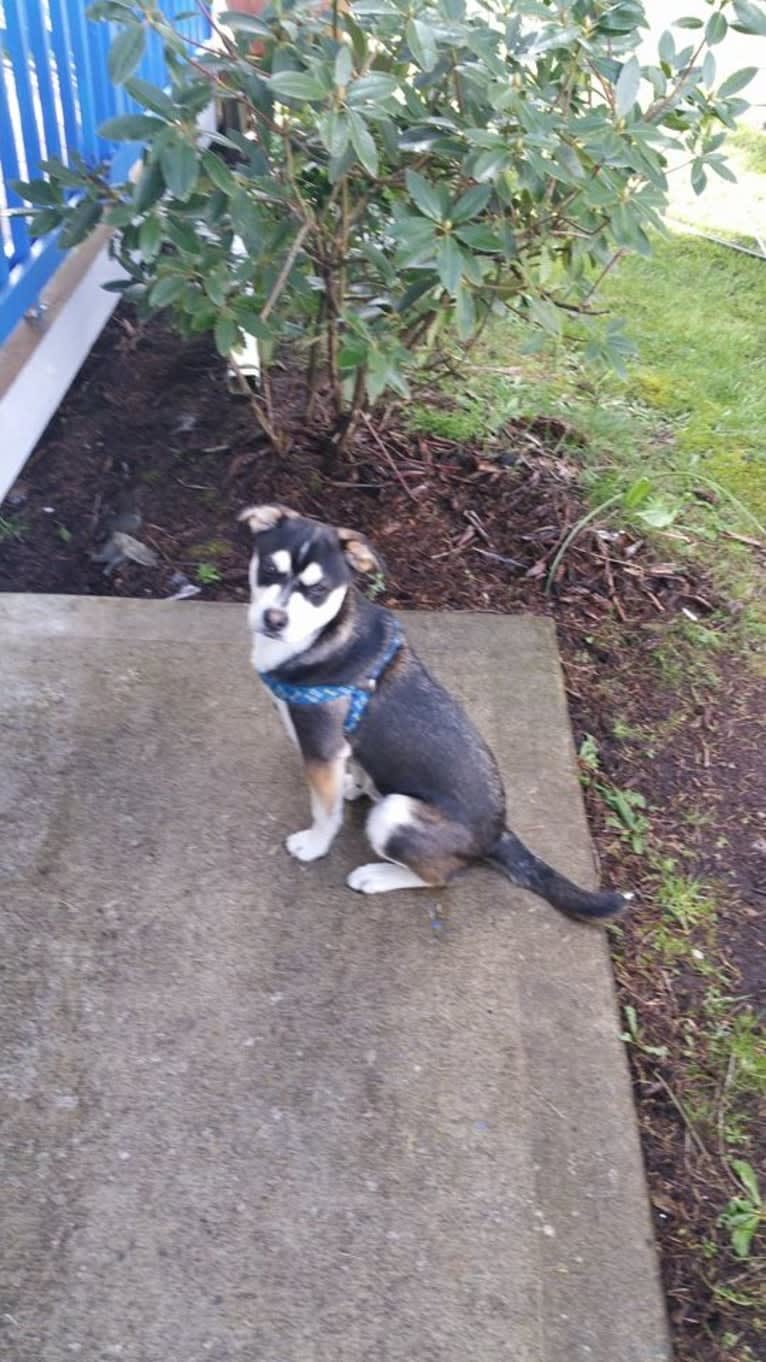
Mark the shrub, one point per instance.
(396, 168)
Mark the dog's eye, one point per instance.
(316, 594)
(269, 573)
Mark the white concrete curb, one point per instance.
(33, 396)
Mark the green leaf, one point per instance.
(217, 284)
(131, 128)
(637, 493)
(372, 88)
(247, 313)
(716, 28)
(60, 174)
(667, 47)
(422, 44)
(746, 1174)
(353, 353)
(424, 195)
(708, 71)
(509, 244)
(742, 1237)
(219, 172)
(750, 19)
(449, 263)
(363, 143)
(167, 290)
(690, 22)
(180, 167)
(84, 218)
(717, 164)
(569, 162)
(201, 311)
(245, 218)
(465, 312)
(416, 237)
(698, 176)
(343, 67)
(152, 97)
(150, 186)
(120, 215)
(737, 81)
(183, 235)
(245, 23)
(226, 334)
(659, 515)
(471, 203)
(45, 221)
(625, 225)
(296, 85)
(481, 237)
(150, 237)
(38, 192)
(126, 52)
(626, 89)
(377, 375)
(546, 314)
(108, 9)
(489, 163)
(413, 293)
(334, 131)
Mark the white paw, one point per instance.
(380, 877)
(366, 878)
(307, 845)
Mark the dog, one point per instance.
(369, 719)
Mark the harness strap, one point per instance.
(359, 695)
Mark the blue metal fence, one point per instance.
(54, 93)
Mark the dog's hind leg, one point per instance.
(423, 847)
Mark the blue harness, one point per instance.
(359, 696)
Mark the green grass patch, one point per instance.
(695, 312)
(751, 144)
(11, 527)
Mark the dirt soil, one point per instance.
(149, 445)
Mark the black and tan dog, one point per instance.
(349, 686)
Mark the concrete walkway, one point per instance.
(250, 1116)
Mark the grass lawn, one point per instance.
(751, 144)
(697, 314)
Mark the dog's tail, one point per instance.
(527, 871)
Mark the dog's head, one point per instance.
(300, 572)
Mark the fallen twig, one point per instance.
(389, 460)
(499, 557)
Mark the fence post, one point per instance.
(17, 46)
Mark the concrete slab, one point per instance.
(250, 1115)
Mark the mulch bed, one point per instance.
(149, 444)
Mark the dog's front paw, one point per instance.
(307, 845)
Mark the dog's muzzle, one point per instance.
(274, 621)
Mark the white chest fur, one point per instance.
(267, 654)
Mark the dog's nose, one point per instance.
(275, 619)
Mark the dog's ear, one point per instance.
(261, 518)
(359, 554)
